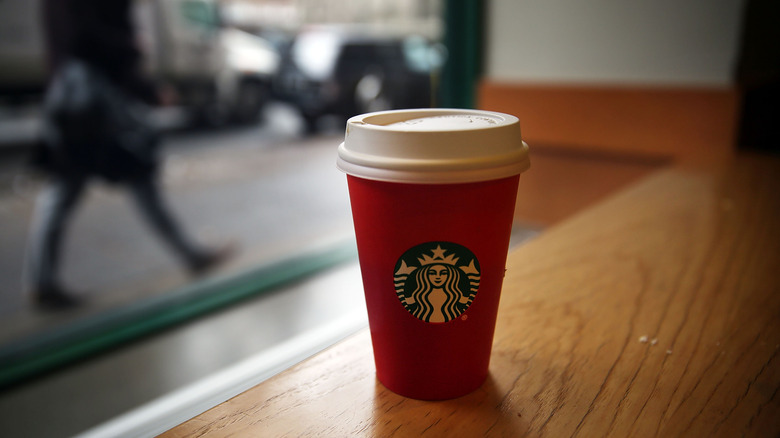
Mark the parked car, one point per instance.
(333, 72)
(217, 72)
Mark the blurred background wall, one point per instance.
(663, 42)
(608, 91)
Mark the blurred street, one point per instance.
(264, 187)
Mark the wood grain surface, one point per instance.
(654, 313)
(562, 182)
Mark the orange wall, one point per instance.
(687, 124)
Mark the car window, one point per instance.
(200, 13)
(421, 56)
(355, 58)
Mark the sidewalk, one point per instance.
(275, 199)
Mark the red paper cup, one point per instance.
(433, 195)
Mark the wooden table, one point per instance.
(655, 313)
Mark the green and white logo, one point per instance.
(437, 281)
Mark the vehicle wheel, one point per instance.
(211, 114)
(249, 102)
(371, 94)
(310, 123)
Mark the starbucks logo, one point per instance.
(437, 281)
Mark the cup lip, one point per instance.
(390, 117)
(377, 147)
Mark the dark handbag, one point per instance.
(93, 127)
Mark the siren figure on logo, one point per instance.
(435, 291)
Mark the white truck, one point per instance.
(218, 72)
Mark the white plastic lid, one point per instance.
(433, 146)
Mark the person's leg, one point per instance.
(151, 204)
(53, 210)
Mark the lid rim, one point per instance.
(439, 176)
(434, 164)
(446, 146)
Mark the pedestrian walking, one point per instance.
(96, 126)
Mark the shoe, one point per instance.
(55, 298)
(210, 259)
